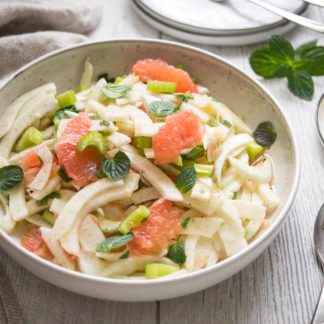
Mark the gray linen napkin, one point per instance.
(10, 312)
(26, 27)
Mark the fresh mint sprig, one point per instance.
(278, 59)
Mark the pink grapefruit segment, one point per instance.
(155, 234)
(33, 242)
(32, 164)
(81, 167)
(183, 130)
(158, 70)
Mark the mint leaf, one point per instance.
(281, 49)
(265, 134)
(315, 58)
(118, 167)
(115, 91)
(264, 64)
(161, 108)
(177, 252)
(62, 173)
(279, 59)
(46, 199)
(305, 47)
(301, 84)
(185, 222)
(186, 179)
(10, 177)
(197, 152)
(114, 242)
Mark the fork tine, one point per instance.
(299, 20)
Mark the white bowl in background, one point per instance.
(228, 84)
(320, 120)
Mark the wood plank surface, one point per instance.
(281, 286)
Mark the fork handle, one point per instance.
(318, 317)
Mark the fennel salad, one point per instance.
(140, 176)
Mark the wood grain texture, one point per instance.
(281, 286)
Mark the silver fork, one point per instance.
(299, 20)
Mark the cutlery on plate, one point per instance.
(299, 20)
(318, 317)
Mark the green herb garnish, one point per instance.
(185, 222)
(46, 199)
(177, 252)
(125, 255)
(161, 108)
(60, 114)
(105, 123)
(106, 77)
(183, 97)
(94, 117)
(197, 152)
(278, 59)
(10, 177)
(115, 91)
(114, 242)
(186, 179)
(118, 167)
(62, 173)
(265, 134)
(226, 123)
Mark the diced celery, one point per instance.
(118, 80)
(254, 150)
(32, 136)
(108, 226)
(139, 215)
(213, 122)
(204, 170)
(187, 163)
(156, 270)
(178, 161)
(82, 87)
(66, 99)
(48, 217)
(93, 139)
(161, 86)
(143, 142)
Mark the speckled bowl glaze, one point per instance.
(248, 98)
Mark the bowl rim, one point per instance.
(320, 134)
(191, 275)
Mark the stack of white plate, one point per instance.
(230, 23)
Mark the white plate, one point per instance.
(231, 17)
(220, 40)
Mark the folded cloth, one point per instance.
(10, 312)
(20, 49)
(27, 26)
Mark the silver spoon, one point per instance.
(299, 20)
(318, 317)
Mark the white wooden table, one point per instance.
(281, 286)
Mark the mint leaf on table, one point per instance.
(279, 59)
(301, 84)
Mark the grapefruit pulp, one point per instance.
(155, 234)
(183, 130)
(81, 167)
(158, 70)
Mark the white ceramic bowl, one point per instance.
(228, 84)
